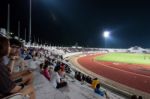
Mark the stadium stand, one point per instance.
(78, 86)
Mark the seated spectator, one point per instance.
(51, 70)
(46, 72)
(56, 78)
(7, 86)
(88, 79)
(99, 91)
(57, 63)
(10, 61)
(79, 77)
(27, 56)
(76, 73)
(62, 66)
(94, 83)
(83, 77)
(67, 69)
(140, 97)
(19, 65)
(33, 63)
(47, 62)
(61, 57)
(134, 97)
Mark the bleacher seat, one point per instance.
(45, 90)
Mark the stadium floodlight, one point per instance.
(106, 34)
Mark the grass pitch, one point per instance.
(125, 58)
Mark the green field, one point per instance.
(125, 58)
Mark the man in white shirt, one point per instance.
(56, 78)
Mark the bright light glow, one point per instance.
(11, 33)
(106, 34)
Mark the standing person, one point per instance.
(7, 86)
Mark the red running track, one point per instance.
(135, 76)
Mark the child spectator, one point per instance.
(99, 91)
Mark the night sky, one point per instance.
(66, 22)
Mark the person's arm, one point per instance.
(10, 65)
(98, 91)
(58, 79)
(22, 64)
(7, 85)
(16, 89)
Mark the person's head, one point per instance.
(95, 79)
(51, 68)
(41, 66)
(98, 86)
(36, 54)
(84, 75)
(140, 97)
(45, 66)
(79, 73)
(4, 46)
(39, 54)
(133, 97)
(62, 64)
(57, 69)
(33, 53)
(15, 46)
(47, 62)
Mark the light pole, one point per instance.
(18, 29)
(106, 35)
(25, 35)
(8, 19)
(30, 13)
